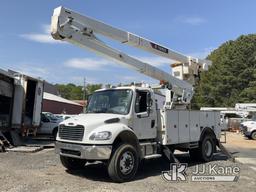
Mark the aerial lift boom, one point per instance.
(81, 30)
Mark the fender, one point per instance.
(128, 136)
(208, 131)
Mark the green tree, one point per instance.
(73, 92)
(93, 87)
(232, 77)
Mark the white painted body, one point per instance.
(183, 126)
(248, 127)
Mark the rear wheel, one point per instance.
(72, 163)
(205, 150)
(253, 135)
(123, 164)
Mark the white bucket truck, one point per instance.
(124, 125)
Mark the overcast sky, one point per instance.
(191, 27)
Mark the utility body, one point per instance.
(124, 125)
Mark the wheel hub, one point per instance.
(208, 148)
(126, 162)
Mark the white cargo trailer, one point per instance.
(27, 102)
(24, 103)
(124, 125)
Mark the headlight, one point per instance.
(104, 135)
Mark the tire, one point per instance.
(248, 136)
(72, 163)
(253, 135)
(123, 164)
(205, 151)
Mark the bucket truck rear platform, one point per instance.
(124, 125)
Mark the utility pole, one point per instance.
(84, 93)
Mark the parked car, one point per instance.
(64, 116)
(49, 124)
(249, 129)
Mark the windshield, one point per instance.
(110, 101)
(51, 116)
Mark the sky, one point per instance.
(193, 28)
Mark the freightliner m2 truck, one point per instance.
(124, 125)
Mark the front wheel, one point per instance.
(123, 164)
(72, 163)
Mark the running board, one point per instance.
(193, 145)
(153, 156)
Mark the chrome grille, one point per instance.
(74, 133)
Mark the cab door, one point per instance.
(144, 124)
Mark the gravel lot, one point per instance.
(42, 171)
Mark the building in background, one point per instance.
(81, 102)
(58, 105)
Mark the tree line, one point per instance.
(232, 77)
(76, 92)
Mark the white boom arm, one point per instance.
(81, 30)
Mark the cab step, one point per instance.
(153, 156)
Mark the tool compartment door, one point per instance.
(184, 126)
(194, 127)
(217, 128)
(172, 127)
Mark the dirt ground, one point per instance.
(42, 171)
(239, 140)
(242, 148)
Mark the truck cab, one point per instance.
(114, 117)
(110, 112)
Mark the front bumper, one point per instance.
(89, 152)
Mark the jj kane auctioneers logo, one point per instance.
(202, 173)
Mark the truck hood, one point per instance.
(90, 119)
(92, 122)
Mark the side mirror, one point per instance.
(149, 100)
(149, 103)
